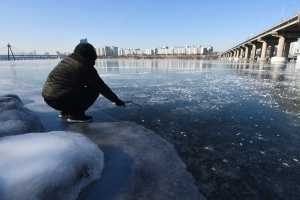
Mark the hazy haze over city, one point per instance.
(50, 26)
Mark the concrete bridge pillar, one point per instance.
(279, 56)
(271, 53)
(241, 53)
(246, 57)
(280, 46)
(253, 52)
(287, 48)
(249, 52)
(237, 54)
(263, 51)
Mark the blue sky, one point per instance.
(59, 25)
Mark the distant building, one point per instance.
(201, 49)
(206, 50)
(192, 50)
(209, 49)
(100, 51)
(34, 53)
(294, 48)
(120, 52)
(107, 51)
(127, 52)
(46, 53)
(162, 50)
(114, 51)
(179, 50)
(83, 40)
(148, 52)
(97, 49)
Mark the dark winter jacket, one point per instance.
(75, 72)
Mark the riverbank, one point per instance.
(184, 57)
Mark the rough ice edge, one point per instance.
(16, 119)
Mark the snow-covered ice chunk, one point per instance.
(16, 119)
(54, 165)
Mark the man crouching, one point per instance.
(74, 85)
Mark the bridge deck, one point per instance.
(31, 57)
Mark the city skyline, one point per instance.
(188, 50)
(201, 50)
(58, 25)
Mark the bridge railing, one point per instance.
(267, 29)
(278, 23)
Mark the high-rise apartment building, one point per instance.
(114, 51)
(107, 51)
(83, 40)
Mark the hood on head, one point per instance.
(87, 51)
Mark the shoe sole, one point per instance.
(63, 116)
(76, 120)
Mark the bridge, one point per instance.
(31, 57)
(28, 56)
(280, 34)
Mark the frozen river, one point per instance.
(236, 125)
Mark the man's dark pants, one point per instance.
(78, 103)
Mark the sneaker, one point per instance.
(63, 114)
(82, 118)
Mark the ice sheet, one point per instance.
(234, 124)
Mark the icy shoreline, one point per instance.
(138, 162)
